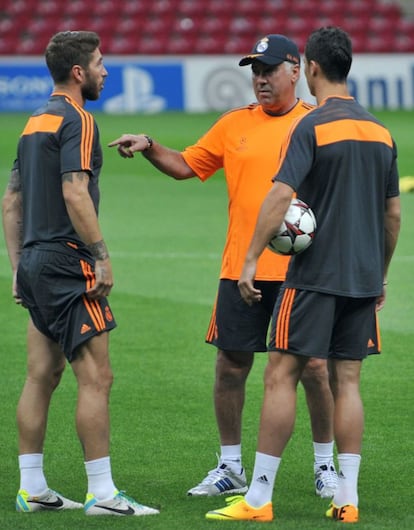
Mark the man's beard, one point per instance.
(90, 89)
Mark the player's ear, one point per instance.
(314, 68)
(78, 72)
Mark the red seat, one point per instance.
(149, 44)
(210, 26)
(8, 44)
(378, 44)
(239, 44)
(77, 7)
(248, 8)
(404, 43)
(121, 44)
(180, 43)
(243, 25)
(159, 24)
(215, 24)
(190, 8)
(220, 7)
(209, 43)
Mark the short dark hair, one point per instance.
(68, 48)
(331, 48)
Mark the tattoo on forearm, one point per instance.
(99, 250)
(69, 177)
(15, 184)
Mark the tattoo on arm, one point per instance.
(70, 177)
(15, 184)
(99, 250)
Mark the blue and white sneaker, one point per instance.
(219, 481)
(120, 504)
(48, 500)
(326, 481)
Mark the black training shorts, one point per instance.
(322, 325)
(236, 326)
(52, 279)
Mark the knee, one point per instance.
(104, 378)
(93, 377)
(233, 368)
(315, 373)
(57, 373)
(46, 375)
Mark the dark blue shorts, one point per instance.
(321, 325)
(52, 280)
(236, 326)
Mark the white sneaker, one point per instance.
(219, 481)
(48, 500)
(326, 481)
(121, 504)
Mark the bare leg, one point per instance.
(277, 420)
(315, 380)
(45, 365)
(282, 374)
(349, 414)
(349, 427)
(94, 375)
(232, 370)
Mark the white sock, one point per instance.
(347, 491)
(264, 475)
(32, 478)
(100, 481)
(323, 453)
(231, 456)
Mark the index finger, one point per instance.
(115, 142)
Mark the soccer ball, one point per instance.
(297, 231)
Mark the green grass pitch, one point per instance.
(166, 239)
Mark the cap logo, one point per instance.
(262, 46)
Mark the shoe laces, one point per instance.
(215, 474)
(328, 474)
(121, 495)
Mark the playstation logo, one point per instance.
(137, 95)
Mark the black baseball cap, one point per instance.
(273, 50)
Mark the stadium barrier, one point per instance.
(198, 83)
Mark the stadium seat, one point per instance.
(243, 25)
(149, 44)
(181, 43)
(77, 7)
(208, 43)
(189, 8)
(220, 7)
(239, 44)
(177, 25)
(215, 24)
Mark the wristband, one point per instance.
(150, 142)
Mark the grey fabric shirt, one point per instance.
(342, 162)
(58, 138)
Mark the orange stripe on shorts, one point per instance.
(283, 319)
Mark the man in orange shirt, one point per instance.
(246, 142)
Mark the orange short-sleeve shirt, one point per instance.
(246, 142)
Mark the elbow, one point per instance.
(181, 176)
(182, 173)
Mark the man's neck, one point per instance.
(327, 90)
(73, 92)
